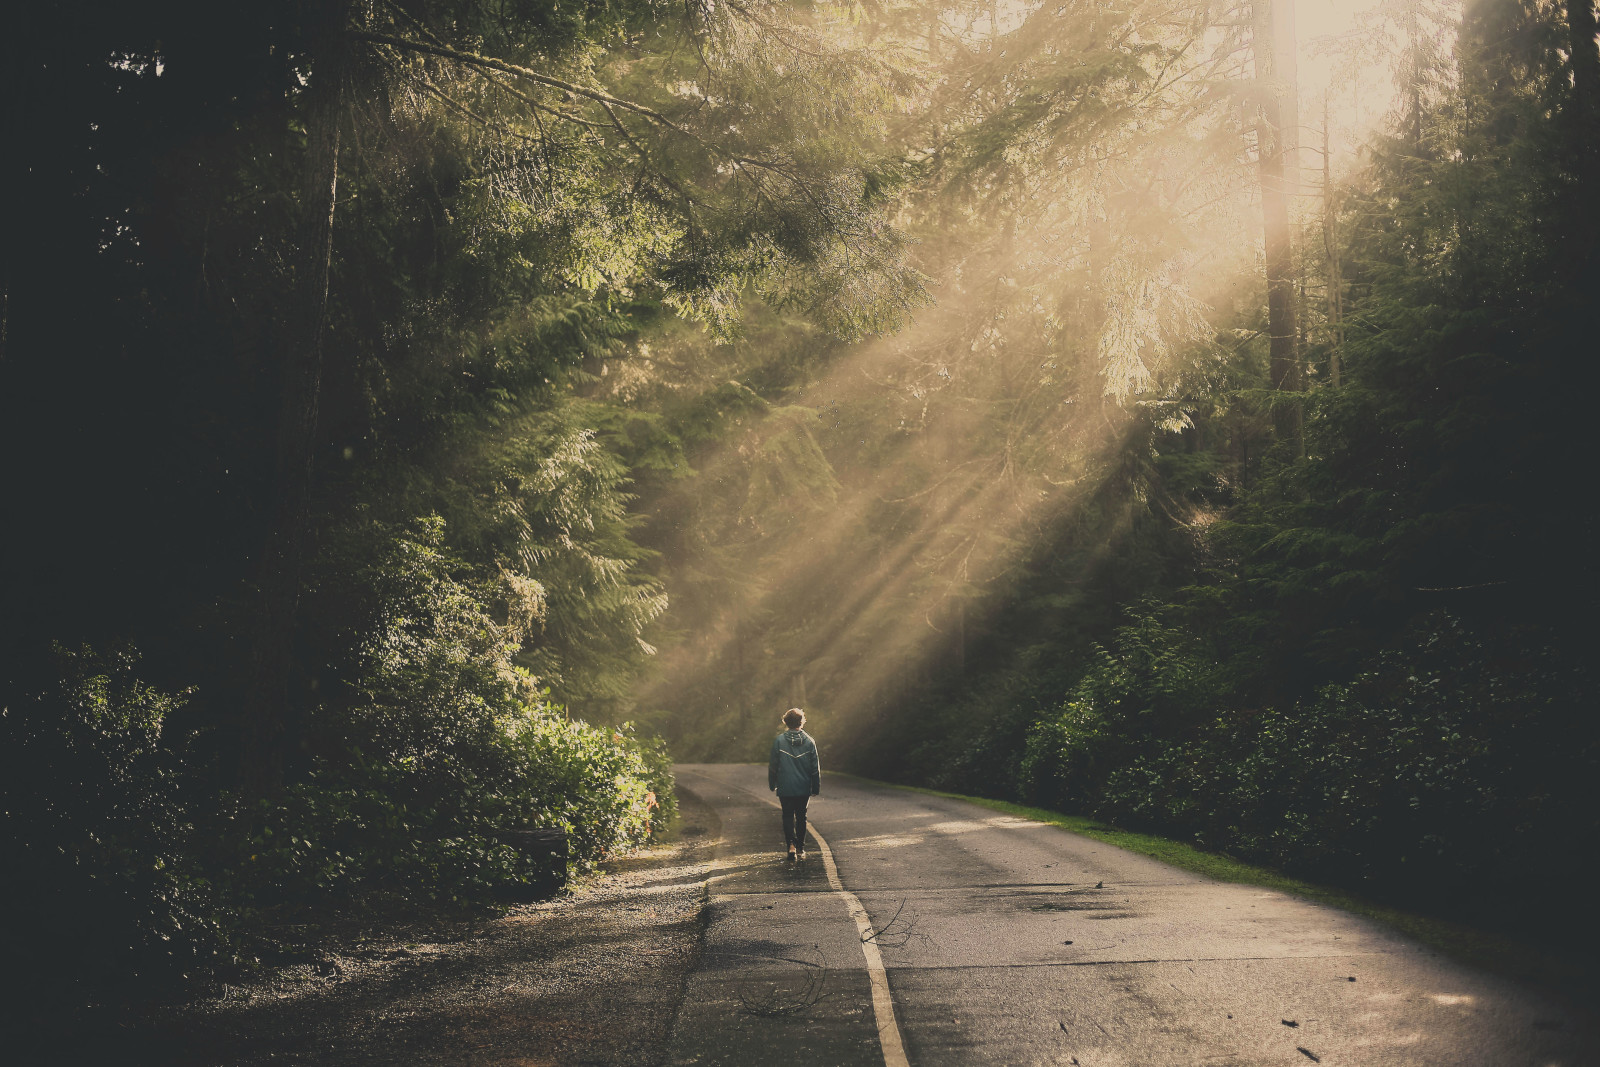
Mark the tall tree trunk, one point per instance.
(1330, 247)
(1416, 63)
(1581, 31)
(1273, 44)
(740, 688)
(267, 737)
(961, 638)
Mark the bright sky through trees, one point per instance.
(1350, 52)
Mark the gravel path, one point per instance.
(594, 978)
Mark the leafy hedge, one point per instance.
(1454, 760)
(100, 872)
(407, 831)
(125, 861)
(436, 741)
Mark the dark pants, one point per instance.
(794, 820)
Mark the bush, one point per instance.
(1454, 760)
(436, 742)
(1454, 767)
(99, 876)
(429, 744)
(412, 830)
(658, 776)
(1151, 692)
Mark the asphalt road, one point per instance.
(1020, 943)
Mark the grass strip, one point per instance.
(1486, 949)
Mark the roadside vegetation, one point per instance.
(425, 417)
(1255, 524)
(328, 391)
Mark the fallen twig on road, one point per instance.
(899, 931)
(775, 1001)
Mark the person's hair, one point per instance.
(794, 718)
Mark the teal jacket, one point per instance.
(793, 769)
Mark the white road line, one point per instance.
(894, 1050)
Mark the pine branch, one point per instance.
(435, 39)
(776, 31)
(473, 117)
(480, 62)
(606, 100)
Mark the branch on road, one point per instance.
(899, 931)
(775, 1001)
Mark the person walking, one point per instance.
(795, 774)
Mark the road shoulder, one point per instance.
(595, 977)
(1569, 978)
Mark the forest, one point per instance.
(428, 418)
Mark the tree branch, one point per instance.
(472, 59)
(604, 99)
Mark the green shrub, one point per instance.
(416, 831)
(1149, 692)
(99, 876)
(658, 776)
(1455, 765)
(429, 746)
(436, 742)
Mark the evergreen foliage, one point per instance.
(428, 390)
(311, 311)
(1078, 556)
(1361, 655)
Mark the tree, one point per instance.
(694, 210)
(265, 709)
(1067, 171)
(1585, 61)
(1273, 43)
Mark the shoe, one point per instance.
(791, 855)
(801, 855)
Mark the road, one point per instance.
(1020, 943)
